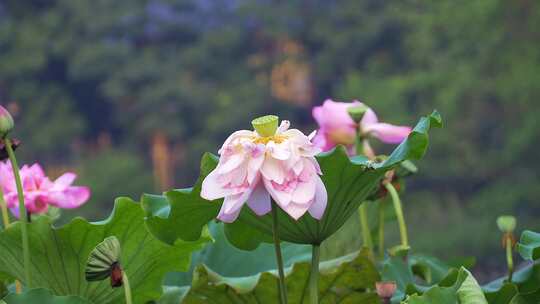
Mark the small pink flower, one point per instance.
(337, 127)
(40, 191)
(254, 168)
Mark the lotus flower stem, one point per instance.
(22, 212)
(381, 229)
(3, 205)
(362, 144)
(509, 258)
(279, 258)
(366, 234)
(368, 151)
(127, 288)
(314, 275)
(399, 213)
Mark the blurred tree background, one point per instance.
(129, 94)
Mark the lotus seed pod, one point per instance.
(266, 125)
(357, 112)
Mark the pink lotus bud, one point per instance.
(6, 122)
(386, 290)
(339, 123)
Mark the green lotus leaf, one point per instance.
(228, 260)
(465, 290)
(59, 255)
(42, 296)
(182, 214)
(529, 245)
(350, 279)
(430, 270)
(524, 288)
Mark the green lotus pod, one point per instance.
(506, 223)
(357, 112)
(266, 125)
(102, 259)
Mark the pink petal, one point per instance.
(238, 176)
(368, 119)
(230, 163)
(296, 210)
(64, 181)
(228, 218)
(11, 199)
(72, 197)
(212, 189)
(322, 141)
(388, 133)
(318, 206)
(234, 136)
(283, 126)
(318, 115)
(273, 170)
(259, 201)
(232, 205)
(336, 115)
(253, 167)
(279, 151)
(38, 205)
(282, 198)
(305, 191)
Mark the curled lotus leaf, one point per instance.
(102, 258)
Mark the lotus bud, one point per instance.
(386, 290)
(357, 112)
(506, 223)
(6, 122)
(266, 126)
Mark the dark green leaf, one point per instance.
(228, 260)
(183, 213)
(350, 279)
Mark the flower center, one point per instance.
(277, 138)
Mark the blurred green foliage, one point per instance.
(197, 70)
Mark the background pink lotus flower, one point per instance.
(40, 191)
(337, 127)
(254, 168)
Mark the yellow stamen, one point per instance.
(278, 139)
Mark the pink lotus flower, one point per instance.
(254, 168)
(40, 191)
(337, 127)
